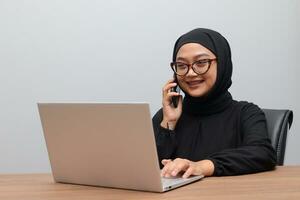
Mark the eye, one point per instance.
(180, 65)
(201, 63)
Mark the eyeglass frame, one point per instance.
(191, 66)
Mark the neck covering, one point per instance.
(218, 98)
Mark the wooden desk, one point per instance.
(283, 183)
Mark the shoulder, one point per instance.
(244, 108)
(248, 107)
(250, 112)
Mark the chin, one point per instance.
(195, 93)
(199, 91)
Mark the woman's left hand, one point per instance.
(174, 167)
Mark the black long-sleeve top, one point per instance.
(235, 140)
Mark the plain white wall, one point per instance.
(67, 50)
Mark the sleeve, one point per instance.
(255, 154)
(165, 138)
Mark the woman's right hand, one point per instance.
(170, 114)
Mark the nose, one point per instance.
(191, 72)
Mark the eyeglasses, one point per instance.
(200, 67)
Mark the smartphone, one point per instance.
(175, 99)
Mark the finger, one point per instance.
(167, 99)
(169, 95)
(176, 170)
(165, 161)
(176, 167)
(167, 87)
(170, 80)
(165, 172)
(169, 168)
(165, 169)
(188, 172)
(180, 165)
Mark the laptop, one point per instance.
(104, 144)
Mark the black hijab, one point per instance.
(218, 98)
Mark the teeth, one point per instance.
(195, 82)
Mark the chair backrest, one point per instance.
(279, 122)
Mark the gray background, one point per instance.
(120, 51)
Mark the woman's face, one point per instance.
(196, 85)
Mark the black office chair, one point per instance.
(279, 122)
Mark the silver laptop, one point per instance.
(104, 144)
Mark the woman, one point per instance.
(208, 133)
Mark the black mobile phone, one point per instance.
(175, 99)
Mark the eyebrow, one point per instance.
(195, 57)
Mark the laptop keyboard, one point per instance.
(171, 181)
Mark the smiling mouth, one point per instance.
(194, 83)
